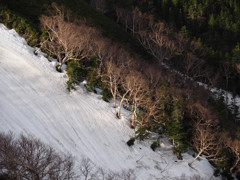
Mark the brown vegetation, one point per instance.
(234, 147)
(69, 39)
(205, 134)
(27, 158)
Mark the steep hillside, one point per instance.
(34, 101)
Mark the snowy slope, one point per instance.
(34, 101)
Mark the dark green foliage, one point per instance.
(174, 127)
(142, 133)
(155, 145)
(106, 95)
(226, 116)
(75, 73)
(20, 24)
(238, 133)
(93, 80)
(131, 141)
(78, 71)
(236, 53)
(223, 167)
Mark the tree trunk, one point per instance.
(200, 152)
(120, 105)
(114, 102)
(134, 109)
(36, 51)
(133, 121)
(119, 108)
(235, 165)
(114, 98)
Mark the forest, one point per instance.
(147, 56)
(213, 25)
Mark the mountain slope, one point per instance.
(34, 101)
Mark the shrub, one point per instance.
(155, 145)
(131, 141)
(28, 158)
(75, 73)
(21, 25)
(106, 95)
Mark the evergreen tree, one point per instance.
(174, 127)
(236, 53)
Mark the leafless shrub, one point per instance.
(87, 169)
(28, 158)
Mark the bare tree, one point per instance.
(234, 146)
(111, 77)
(28, 158)
(68, 39)
(205, 135)
(156, 37)
(102, 49)
(125, 64)
(138, 93)
(87, 169)
(228, 71)
(194, 67)
(100, 5)
(123, 94)
(123, 17)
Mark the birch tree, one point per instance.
(111, 77)
(68, 39)
(205, 135)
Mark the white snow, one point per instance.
(34, 101)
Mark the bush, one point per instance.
(29, 158)
(131, 141)
(142, 133)
(21, 25)
(106, 95)
(75, 74)
(155, 145)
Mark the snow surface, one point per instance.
(34, 101)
